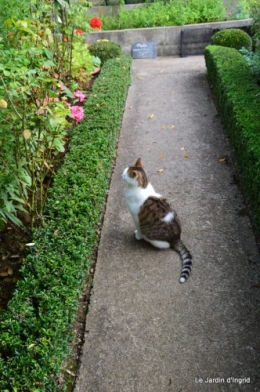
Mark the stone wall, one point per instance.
(171, 41)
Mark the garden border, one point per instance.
(237, 97)
(36, 329)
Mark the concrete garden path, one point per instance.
(145, 332)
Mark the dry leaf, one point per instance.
(173, 126)
(151, 116)
(26, 134)
(163, 126)
(162, 155)
(159, 170)
(222, 159)
(10, 271)
(182, 148)
(139, 77)
(3, 104)
(185, 156)
(46, 165)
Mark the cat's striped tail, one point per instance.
(186, 260)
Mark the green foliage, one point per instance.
(82, 62)
(37, 327)
(241, 10)
(253, 60)
(39, 55)
(232, 38)
(12, 9)
(105, 50)
(33, 125)
(170, 13)
(255, 14)
(238, 100)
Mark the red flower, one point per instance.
(78, 31)
(95, 23)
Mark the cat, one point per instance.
(154, 219)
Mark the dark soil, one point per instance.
(13, 242)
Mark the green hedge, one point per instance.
(36, 329)
(238, 99)
(232, 38)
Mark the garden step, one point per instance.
(145, 332)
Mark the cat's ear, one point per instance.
(139, 162)
(133, 173)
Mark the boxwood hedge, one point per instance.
(238, 99)
(36, 329)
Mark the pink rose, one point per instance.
(77, 113)
(78, 94)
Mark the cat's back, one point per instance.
(136, 196)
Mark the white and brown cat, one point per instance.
(155, 220)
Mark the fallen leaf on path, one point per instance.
(163, 126)
(185, 156)
(151, 116)
(139, 77)
(173, 126)
(182, 148)
(162, 155)
(222, 159)
(159, 170)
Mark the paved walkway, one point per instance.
(145, 332)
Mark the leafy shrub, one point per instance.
(232, 38)
(105, 50)
(162, 13)
(253, 60)
(37, 326)
(237, 95)
(255, 13)
(35, 72)
(82, 63)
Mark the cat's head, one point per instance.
(135, 175)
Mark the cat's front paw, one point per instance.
(138, 236)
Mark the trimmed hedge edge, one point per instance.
(238, 99)
(36, 329)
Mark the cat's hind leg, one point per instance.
(158, 244)
(138, 235)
